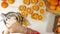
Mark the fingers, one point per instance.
(11, 21)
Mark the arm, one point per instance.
(5, 32)
(30, 31)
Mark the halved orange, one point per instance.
(22, 8)
(27, 2)
(29, 10)
(34, 15)
(4, 4)
(33, 1)
(40, 4)
(11, 1)
(40, 17)
(35, 7)
(25, 23)
(42, 11)
(24, 14)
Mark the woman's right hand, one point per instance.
(14, 26)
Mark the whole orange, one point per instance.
(58, 29)
(59, 2)
(54, 2)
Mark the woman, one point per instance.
(13, 26)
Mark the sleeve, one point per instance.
(30, 31)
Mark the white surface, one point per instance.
(41, 26)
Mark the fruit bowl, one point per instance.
(53, 6)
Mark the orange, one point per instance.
(48, 1)
(58, 9)
(59, 2)
(25, 23)
(4, 4)
(35, 7)
(59, 19)
(40, 17)
(42, 11)
(54, 2)
(40, 4)
(24, 14)
(33, 1)
(11, 1)
(52, 7)
(29, 10)
(58, 29)
(22, 7)
(34, 15)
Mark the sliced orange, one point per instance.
(22, 7)
(4, 4)
(24, 14)
(35, 7)
(33, 1)
(42, 11)
(58, 9)
(29, 10)
(11, 1)
(52, 7)
(40, 4)
(26, 2)
(40, 17)
(34, 15)
(25, 23)
(54, 2)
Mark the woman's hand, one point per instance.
(14, 26)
